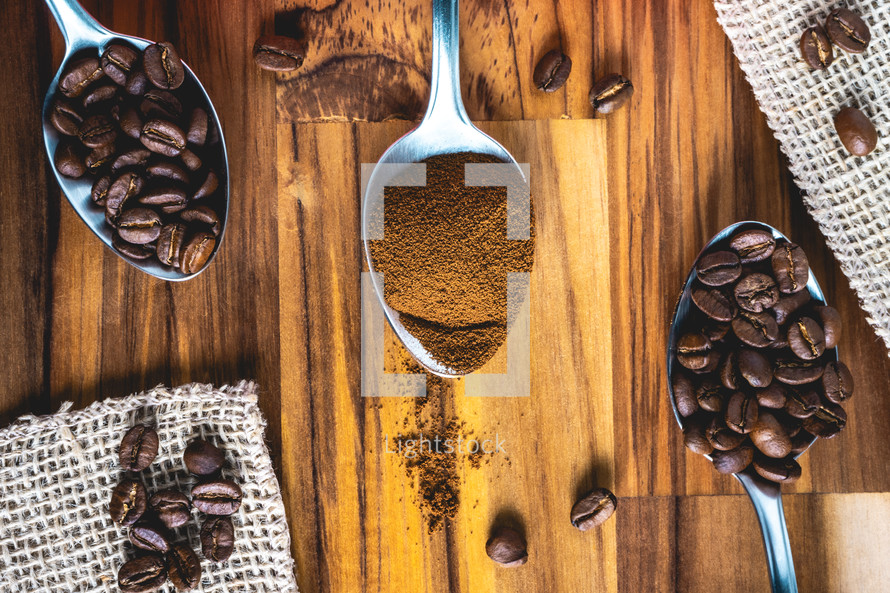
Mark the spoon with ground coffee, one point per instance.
(444, 140)
(86, 38)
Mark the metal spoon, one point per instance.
(444, 129)
(84, 35)
(766, 496)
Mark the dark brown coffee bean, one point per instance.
(65, 117)
(138, 448)
(203, 215)
(123, 190)
(278, 53)
(753, 246)
(128, 501)
(801, 404)
(815, 47)
(507, 547)
(709, 396)
(790, 267)
(711, 366)
(721, 436)
(734, 460)
(773, 397)
(593, 509)
(552, 71)
(856, 132)
(801, 442)
(198, 124)
(718, 268)
(162, 137)
(194, 255)
(68, 161)
(805, 338)
(191, 160)
(790, 424)
(131, 123)
(139, 226)
(729, 371)
(610, 94)
(170, 243)
(183, 567)
(202, 458)
(210, 185)
(684, 394)
(847, 30)
(171, 506)
(137, 83)
(831, 325)
(118, 61)
(142, 574)
(167, 170)
(159, 104)
(755, 329)
(837, 381)
(217, 497)
(715, 330)
(99, 191)
(97, 130)
(99, 158)
(138, 252)
(756, 292)
(162, 66)
(136, 158)
(99, 97)
(827, 422)
(217, 538)
(769, 436)
(694, 436)
(693, 351)
(782, 471)
(714, 303)
(788, 304)
(79, 75)
(755, 368)
(169, 199)
(741, 412)
(149, 536)
(797, 372)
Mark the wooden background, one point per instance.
(623, 207)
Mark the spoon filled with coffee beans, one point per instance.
(753, 370)
(136, 147)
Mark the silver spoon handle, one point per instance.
(445, 83)
(767, 500)
(78, 27)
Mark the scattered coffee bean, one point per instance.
(801, 404)
(171, 506)
(684, 395)
(98, 158)
(714, 303)
(709, 396)
(80, 75)
(191, 160)
(783, 471)
(131, 123)
(137, 83)
(162, 66)
(805, 338)
(721, 436)
(815, 47)
(65, 117)
(856, 132)
(142, 574)
(772, 397)
(507, 547)
(837, 382)
(552, 71)
(610, 94)
(755, 329)
(199, 122)
(203, 459)
(217, 538)
(138, 448)
(828, 420)
(753, 246)
(168, 199)
(769, 436)
(693, 351)
(94, 98)
(170, 243)
(148, 536)
(734, 460)
(183, 567)
(118, 61)
(847, 30)
(97, 130)
(754, 368)
(163, 137)
(791, 268)
(139, 226)
(756, 292)
(122, 191)
(137, 252)
(694, 436)
(195, 253)
(741, 412)
(788, 304)
(593, 509)
(718, 268)
(99, 191)
(278, 53)
(797, 372)
(68, 161)
(135, 160)
(217, 497)
(167, 172)
(831, 325)
(128, 502)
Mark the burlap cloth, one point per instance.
(57, 472)
(848, 196)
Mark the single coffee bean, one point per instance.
(693, 351)
(827, 422)
(755, 329)
(552, 71)
(729, 371)
(856, 132)
(790, 424)
(217, 538)
(202, 458)
(831, 325)
(138, 448)
(712, 364)
(97, 130)
(610, 94)
(218, 497)
(158, 104)
(162, 66)
(755, 368)
(805, 338)
(170, 243)
(99, 98)
(65, 117)
(753, 246)
(790, 267)
(797, 372)
(507, 547)
(801, 442)
(210, 185)
(694, 436)
(734, 460)
(79, 75)
(788, 304)
(137, 82)
(118, 61)
(142, 574)
(741, 412)
(128, 501)
(709, 396)
(99, 158)
(99, 191)
(783, 471)
(198, 124)
(139, 226)
(756, 292)
(815, 47)
(149, 536)
(164, 170)
(801, 404)
(194, 255)
(774, 396)
(123, 189)
(136, 159)
(68, 160)
(162, 137)
(684, 394)
(171, 506)
(837, 382)
(131, 123)
(138, 252)
(714, 303)
(715, 330)
(718, 268)
(721, 436)
(183, 567)
(203, 215)
(278, 53)
(593, 509)
(169, 199)
(191, 160)
(769, 436)
(847, 30)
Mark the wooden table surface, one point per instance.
(623, 206)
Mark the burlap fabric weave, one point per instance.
(848, 196)
(57, 473)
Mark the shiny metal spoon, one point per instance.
(84, 35)
(445, 128)
(766, 496)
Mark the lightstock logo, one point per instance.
(376, 382)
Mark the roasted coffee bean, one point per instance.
(828, 420)
(715, 330)
(139, 226)
(755, 329)
(610, 94)
(138, 448)
(552, 71)
(97, 130)
(202, 458)
(210, 185)
(68, 161)
(79, 75)
(198, 124)
(718, 268)
(162, 66)
(137, 83)
(142, 574)
(805, 338)
(709, 396)
(741, 412)
(593, 509)
(118, 61)
(169, 199)
(171, 506)
(711, 366)
(837, 382)
(684, 394)
(159, 104)
(191, 160)
(170, 243)
(99, 191)
(790, 268)
(801, 442)
(123, 190)
(203, 215)
(183, 567)
(194, 255)
(99, 158)
(734, 460)
(149, 536)
(729, 371)
(694, 436)
(773, 397)
(99, 96)
(753, 246)
(756, 292)
(138, 252)
(755, 368)
(831, 325)
(714, 303)
(136, 158)
(167, 170)
(856, 132)
(65, 117)
(790, 424)
(507, 547)
(783, 471)
(693, 351)
(128, 500)
(218, 497)
(721, 436)
(162, 137)
(788, 304)
(815, 47)
(217, 538)
(278, 53)
(847, 30)
(801, 404)
(797, 372)
(131, 123)
(769, 436)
